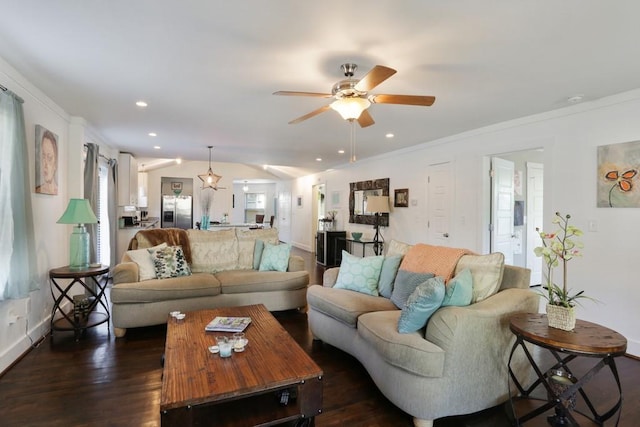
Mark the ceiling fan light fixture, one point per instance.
(350, 108)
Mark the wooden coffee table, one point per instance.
(201, 388)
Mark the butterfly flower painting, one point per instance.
(618, 166)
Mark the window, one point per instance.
(104, 250)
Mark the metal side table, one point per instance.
(84, 314)
(586, 340)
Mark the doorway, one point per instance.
(317, 209)
(516, 208)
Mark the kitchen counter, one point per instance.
(143, 225)
(125, 234)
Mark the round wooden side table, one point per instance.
(586, 340)
(83, 315)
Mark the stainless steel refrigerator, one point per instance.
(177, 212)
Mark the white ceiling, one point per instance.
(208, 68)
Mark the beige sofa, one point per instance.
(455, 365)
(223, 274)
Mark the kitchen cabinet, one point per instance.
(127, 180)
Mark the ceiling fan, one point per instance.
(352, 96)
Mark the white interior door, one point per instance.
(535, 193)
(502, 197)
(284, 216)
(439, 204)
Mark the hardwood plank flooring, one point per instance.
(101, 381)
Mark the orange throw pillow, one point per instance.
(439, 260)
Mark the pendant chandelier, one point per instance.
(210, 179)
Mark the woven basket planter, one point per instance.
(561, 317)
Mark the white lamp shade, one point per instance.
(350, 108)
(377, 204)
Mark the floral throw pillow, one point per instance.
(170, 262)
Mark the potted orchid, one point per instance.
(557, 248)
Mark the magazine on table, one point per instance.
(228, 324)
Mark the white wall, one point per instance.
(52, 240)
(609, 269)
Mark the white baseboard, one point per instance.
(20, 347)
(302, 246)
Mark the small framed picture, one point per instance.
(401, 199)
(335, 199)
(176, 186)
(299, 202)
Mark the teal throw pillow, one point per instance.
(388, 275)
(275, 257)
(421, 304)
(257, 254)
(404, 285)
(359, 274)
(170, 262)
(459, 290)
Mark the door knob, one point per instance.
(445, 235)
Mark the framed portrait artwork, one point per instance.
(401, 198)
(46, 161)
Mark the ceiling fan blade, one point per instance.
(293, 93)
(403, 99)
(309, 115)
(373, 78)
(365, 119)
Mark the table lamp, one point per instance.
(377, 205)
(78, 212)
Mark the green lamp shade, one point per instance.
(78, 212)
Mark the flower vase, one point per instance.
(560, 317)
(204, 225)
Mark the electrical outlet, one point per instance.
(12, 318)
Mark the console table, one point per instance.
(377, 247)
(83, 315)
(586, 340)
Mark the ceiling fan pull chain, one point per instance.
(353, 141)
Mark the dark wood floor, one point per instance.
(101, 381)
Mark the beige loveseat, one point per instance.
(223, 274)
(455, 365)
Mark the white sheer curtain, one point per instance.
(17, 243)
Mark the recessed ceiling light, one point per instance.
(340, 151)
(156, 147)
(575, 99)
(141, 104)
(318, 159)
(389, 135)
(153, 134)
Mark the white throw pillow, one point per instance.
(398, 248)
(486, 271)
(142, 257)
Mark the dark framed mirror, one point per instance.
(358, 193)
